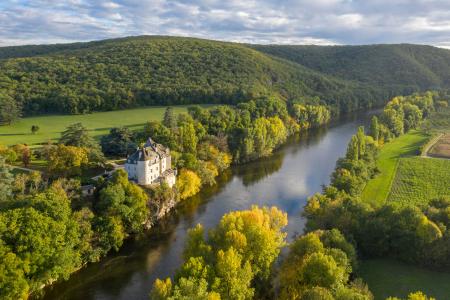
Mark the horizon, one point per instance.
(217, 40)
(286, 22)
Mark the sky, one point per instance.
(320, 22)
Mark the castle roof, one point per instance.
(149, 151)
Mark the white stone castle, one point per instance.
(151, 165)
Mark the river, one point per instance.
(286, 179)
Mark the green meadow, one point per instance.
(98, 124)
(420, 179)
(392, 278)
(377, 190)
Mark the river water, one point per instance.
(286, 179)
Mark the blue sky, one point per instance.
(265, 21)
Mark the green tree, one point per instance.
(77, 135)
(187, 138)
(118, 142)
(169, 119)
(374, 128)
(34, 129)
(10, 110)
(125, 200)
(6, 181)
(234, 276)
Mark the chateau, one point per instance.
(151, 164)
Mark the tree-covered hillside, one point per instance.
(400, 68)
(149, 70)
(131, 72)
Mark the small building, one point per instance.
(151, 164)
(87, 190)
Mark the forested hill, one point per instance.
(136, 71)
(393, 67)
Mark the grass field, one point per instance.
(377, 189)
(392, 278)
(419, 180)
(98, 124)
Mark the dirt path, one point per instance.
(429, 145)
(24, 169)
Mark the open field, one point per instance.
(392, 278)
(419, 180)
(441, 148)
(377, 189)
(98, 124)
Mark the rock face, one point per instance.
(158, 211)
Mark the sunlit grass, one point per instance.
(376, 191)
(392, 278)
(98, 123)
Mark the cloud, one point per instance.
(263, 21)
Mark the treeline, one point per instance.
(416, 234)
(132, 72)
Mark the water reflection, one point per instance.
(286, 179)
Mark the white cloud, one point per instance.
(264, 21)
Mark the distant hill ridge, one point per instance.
(157, 70)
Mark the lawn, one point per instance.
(377, 189)
(391, 278)
(420, 179)
(98, 124)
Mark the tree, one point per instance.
(169, 120)
(6, 181)
(159, 133)
(188, 138)
(13, 283)
(353, 148)
(42, 235)
(188, 183)
(232, 262)
(26, 156)
(34, 129)
(234, 275)
(394, 120)
(67, 160)
(124, 200)
(10, 110)
(118, 142)
(374, 128)
(77, 135)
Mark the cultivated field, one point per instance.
(419, 180)
(391, 278)
(441, 148)
(98, 124)
(377, 189)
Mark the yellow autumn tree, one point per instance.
(188, 183)
(67, 160)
